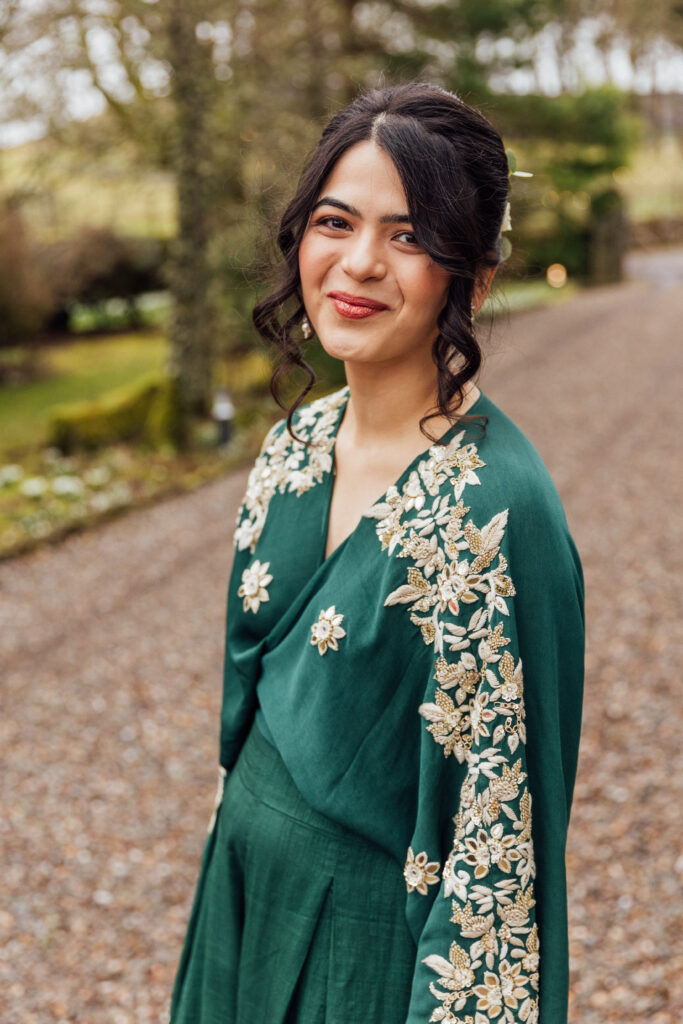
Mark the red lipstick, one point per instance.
(355, 307)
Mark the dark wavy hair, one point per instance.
(454, 171)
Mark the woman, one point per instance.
(404, 653)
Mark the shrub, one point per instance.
(97, 264)
(146, 411)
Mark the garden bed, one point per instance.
(51, 495)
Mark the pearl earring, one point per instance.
(306, 328)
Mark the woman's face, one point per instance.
(370, 292)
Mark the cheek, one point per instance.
(314, 259)
(429, 290)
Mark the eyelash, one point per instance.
(325, 221)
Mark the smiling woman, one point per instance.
(374, 249)
(430, 180)
(404, 292)
(404, 647)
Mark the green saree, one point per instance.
(422, 690)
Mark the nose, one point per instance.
(363, 256)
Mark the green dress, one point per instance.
(418, 693)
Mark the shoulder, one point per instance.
(516, 480)
(495, 486)
(502, 488)
(287, 464)
(313, 421)
(514, 471)
(496, 467)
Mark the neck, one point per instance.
(387, 402)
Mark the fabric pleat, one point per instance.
(296, 919)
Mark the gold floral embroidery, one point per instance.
(477, 716)
(455, 974)
(327, 630)
(288, 465)
(449, 725)
(219, 796)
(419, 872)
(253, 588)
(506, 988)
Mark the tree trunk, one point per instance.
(608, 245)
(193, 322)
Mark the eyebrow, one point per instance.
(389, 218)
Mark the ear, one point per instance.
(482, 285)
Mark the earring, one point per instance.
(306, 328)
(472, 310)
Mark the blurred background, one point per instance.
(146, 149)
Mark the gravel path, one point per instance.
(111, 652)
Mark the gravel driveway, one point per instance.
(111, 652)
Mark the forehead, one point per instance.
(365, 177)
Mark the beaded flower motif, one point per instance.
(254, 586)
(327, 630)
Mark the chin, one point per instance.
(349, 350)
(354, 343)
(345, 354)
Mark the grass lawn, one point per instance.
(516, 296)
(44, 494)
(75, 370)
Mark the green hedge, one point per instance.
(146, 411)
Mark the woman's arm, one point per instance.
(504, 710)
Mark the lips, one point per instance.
(355, 307)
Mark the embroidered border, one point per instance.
(477, 716)
(288, 465)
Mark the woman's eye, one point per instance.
(332, 222)
(408, 237)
